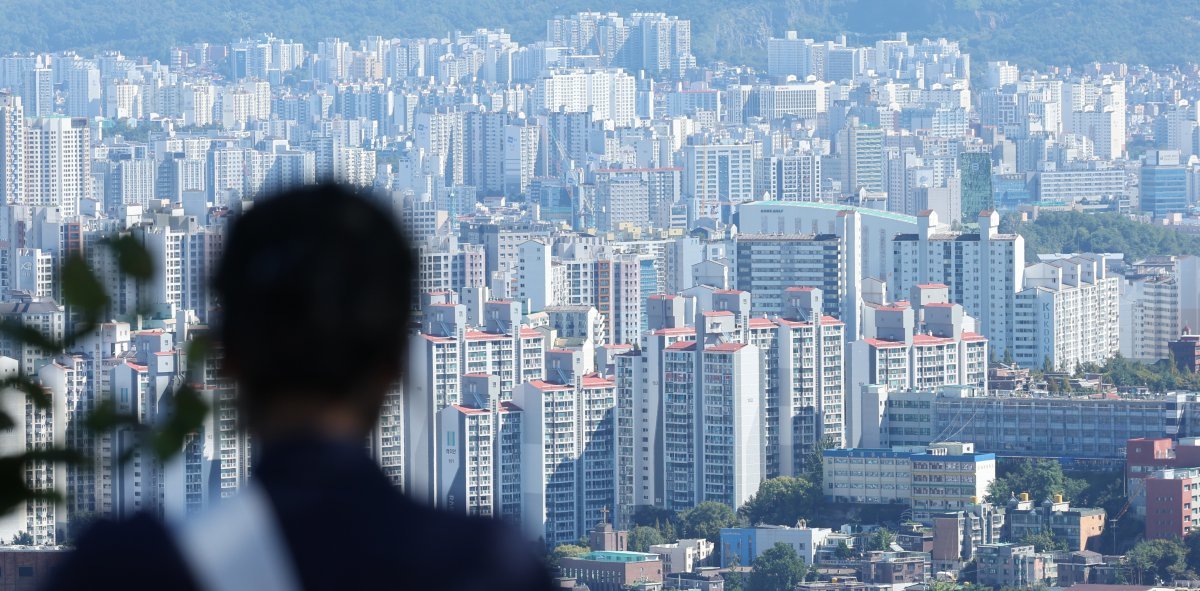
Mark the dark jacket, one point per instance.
(347, 528)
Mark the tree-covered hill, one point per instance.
(1032, 32)
(1057, 231)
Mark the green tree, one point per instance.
(706, 520)
(651, 515)
(781, 501)
(567, 551)
(843, 551)
(1192, 542)
(734, 581)
(882, 539)
(642, 537)
(1044, 541)
(1158, 561)
(777, 569)
(1099, 232)
(1040, 478)
(22, 538)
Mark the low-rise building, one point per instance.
(615, 571)
(1070, 428)
(957, 535)
(893, 568)
(1012, 566)
(683, 556)
(949, 476)
(1074, 525)
(872, 476)
(1186, 351)
(1172, 501)
(944, 476)
(741, 545)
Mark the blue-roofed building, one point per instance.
(939, 478)
(741, 545)
(611, 570)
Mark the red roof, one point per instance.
(933, 286)
(547, 386)
(597, 381)
(478, 335)
(762, 323)
(682, 346)
(882, 344)
(725, 347)
(924, 339)
(682, 330)
(468, 410)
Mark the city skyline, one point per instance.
(878, 279)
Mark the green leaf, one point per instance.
(32, 389)
(29, 335)
(186, 418)
(83, 290)
(132, 257)
(197, 351)
(105, 417)
(54, 455)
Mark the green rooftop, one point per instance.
(879, 213)
(616, 556)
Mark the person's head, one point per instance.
(315, 290)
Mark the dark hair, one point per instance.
(316, 288)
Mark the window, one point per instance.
(24, 571)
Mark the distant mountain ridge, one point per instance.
(1030, 32)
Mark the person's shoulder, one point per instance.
(136, 553)
(498, 553)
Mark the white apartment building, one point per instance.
(923, 345)
(479, 452)
(983, 271)
(801, 100)
(58, 161)
(1149, 311)
(12, 149)
(609, 94)
(716, 174)
(789, 177)
(568, 456)
(447, 349)
(1067, 314)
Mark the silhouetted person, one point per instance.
(316, 288)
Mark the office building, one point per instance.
(1163, 188)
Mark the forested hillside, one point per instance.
(1033, 32)
(1055, 232)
